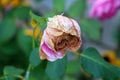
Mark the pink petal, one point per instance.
(117, 4)
(104, 9)
(51, 54)
(92, 13)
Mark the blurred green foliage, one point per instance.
(59, 6)
(100, 68)
(77, 9)
(15, 46)
(56, 69)
(11, 73)
(34, 58)
(8, 31)
(21, 12)
(90, 27)
(41, 21)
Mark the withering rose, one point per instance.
(61, 33)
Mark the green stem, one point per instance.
(77, 53)
(28, 72)
(29, 67)
(33, 40)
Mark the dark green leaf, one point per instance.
(50, 14)
(10, 70)
(93, 63)
(21, 12)
(71, 69)
(41, 21)
(9, 78)
(92, 28)
(59, 5)
(34, 57)
(69, 78)
(24, 42)
(7, 30)
(39, 72)
(56, 69)
(9, 48)
(77, 8)
(117, 33)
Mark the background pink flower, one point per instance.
(104, 9)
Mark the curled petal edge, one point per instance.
(50, 54)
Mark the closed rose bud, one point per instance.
(61, 33)
(104, 9)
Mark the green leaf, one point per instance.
(50, 14)
(93, 63)
(77, 8)
(34, 58)
(7, 30)
(24, 42)
(10, 70)
(9, 48)
(39, 72)
(38, 0)
(56, 69)
(71, 69)
(69, 78)
(116, 34)
(21, 12)
(92, 28)
(41, 21)
(59, 5)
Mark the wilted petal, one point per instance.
(42, 54)
(54, 31)
(49, 53)
(61, 23)
(77, 27)
(47, 38)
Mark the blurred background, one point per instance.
(16, 28)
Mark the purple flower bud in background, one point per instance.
(104, 9)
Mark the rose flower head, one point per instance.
(104, 9)
(61, 33)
